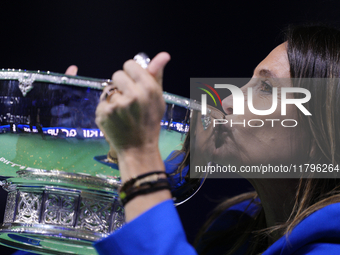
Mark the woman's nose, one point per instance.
(227, 105)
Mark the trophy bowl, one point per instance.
(62, 191)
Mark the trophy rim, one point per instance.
(62, 177)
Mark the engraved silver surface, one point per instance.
(28, 207)
(26, 83)
(94, 215)
(118, 218)
(10, 206)
(59, 209)
(74, 216)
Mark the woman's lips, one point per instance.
(221, 132)
(221, 128)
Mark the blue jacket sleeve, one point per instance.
(319, 249)
(158, 232)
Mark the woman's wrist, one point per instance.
(143, 203)
(136, 161)
(143, 184)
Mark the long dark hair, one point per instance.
(313, 52)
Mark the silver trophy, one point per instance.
(62, 190)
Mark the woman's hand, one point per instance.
(130, 116)
(130, 119)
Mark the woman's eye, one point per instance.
(265, 87)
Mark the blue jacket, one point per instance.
(159, 232)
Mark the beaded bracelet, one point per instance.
(143, 184)
(132, 181)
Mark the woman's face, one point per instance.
(239, 145)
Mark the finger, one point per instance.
(106, 111)
(134, 70)
(157, 64)
(108, 90)
(104, 93)
(72, 70)
(112, 96)
(103, 111)
(123, 82)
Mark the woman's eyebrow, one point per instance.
(279, 82)
(267, 73)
